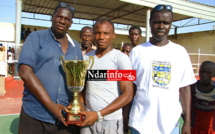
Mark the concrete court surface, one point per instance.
(9, 124)
(9, 110)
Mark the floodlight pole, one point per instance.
(17, 33)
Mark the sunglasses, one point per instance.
(64, 5)
(160, 7)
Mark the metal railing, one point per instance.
(11, 54)
(198, 58)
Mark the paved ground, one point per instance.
(9, 115)
(10, 106)
(9, 111)
(9, 124)
(9, 103)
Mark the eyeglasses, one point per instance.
(62, 4)
(160, 7)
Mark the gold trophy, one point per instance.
(75, 71)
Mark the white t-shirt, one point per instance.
(99, 94)
(160, 72)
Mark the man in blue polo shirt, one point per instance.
(45, 95)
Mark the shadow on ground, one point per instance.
(9, 124)
(14, 126)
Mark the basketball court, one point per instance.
(11, 101)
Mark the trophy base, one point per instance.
(74, 118)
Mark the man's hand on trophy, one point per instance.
(56, 110)
(83, 108)
(90, 118)
(69, 106)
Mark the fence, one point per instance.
(198, 58)
(9, 59)
(12, 51)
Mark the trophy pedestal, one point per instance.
(74, 118)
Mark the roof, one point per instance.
(182, 7)
(117, 11)
(129, 12)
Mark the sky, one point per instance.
(8, 14)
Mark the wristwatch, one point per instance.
(100, 117)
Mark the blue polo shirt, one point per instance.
(42, 52)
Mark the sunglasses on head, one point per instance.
(64, 5)
(160, 7)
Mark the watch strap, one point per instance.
(100, 117)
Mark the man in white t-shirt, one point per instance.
(163, 75)
(104, 99)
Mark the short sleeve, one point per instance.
(29, 51)
(132, 59)
(124, 63)
(188, 76)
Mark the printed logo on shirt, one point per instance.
(111, 75)
(205, 105)
(161, 72)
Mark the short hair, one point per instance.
(128, 44)
(86, 27)
(103, 21)
(163, 10)
(135, 27)
(209, 63)
(58, 6)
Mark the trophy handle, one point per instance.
(62, 62)
(91, 58)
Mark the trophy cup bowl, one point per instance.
(75, 71)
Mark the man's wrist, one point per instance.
(100, 117)
(186, 124)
